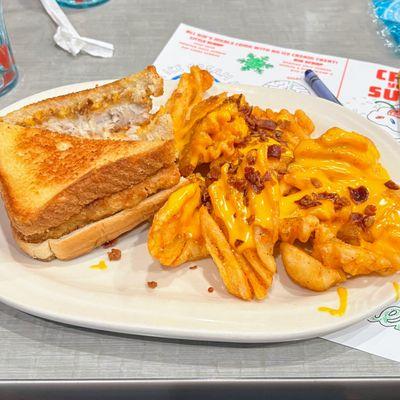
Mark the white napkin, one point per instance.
(69, 39)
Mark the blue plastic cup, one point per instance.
(80, 3)
(8, 69)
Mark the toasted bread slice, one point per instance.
(87, 238)
(48, 177)
(105, 111)
(104, 207)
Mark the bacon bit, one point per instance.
(392, 185)
(251, 219)
(251, 157)
(245, 198)
(265, 136)
(259, 123)
(274, 151)
(266, 124)
(210, 289)
(281, 175)
(244, 108)
(351, 231)
(278, 135)
(238, 242)
(152, 284)
(250, 120)
(316, 182)
(193, 267)
(267, 177)
(214, 173)
(232, 169)
(356, 218)
(205, 197)
(325, 196)
(359, 195)
(370, 210)
(110, 243)
(238, 184)
(254, 178)
(114, 255)
(340, 202)
(243, 142)
(307, 202)
(363, 221)
(368, 221)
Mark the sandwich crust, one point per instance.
(83, 240)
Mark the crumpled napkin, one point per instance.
(69, 39)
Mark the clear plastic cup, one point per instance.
(8, 69)
(80, 3)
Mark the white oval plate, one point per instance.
(118, 299)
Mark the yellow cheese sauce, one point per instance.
(340, 311)
(182, 209)
(101, 265)
(239, 216)
(339, 160)
(396, 288)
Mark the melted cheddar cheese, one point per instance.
(183, 207)
(101, 265)
(341, 310)
(396, 288)
(340, 160)
(240, 212)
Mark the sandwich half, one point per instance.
(114, 110)
(66, 195)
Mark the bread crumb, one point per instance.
(210, 289)
(152, 284)
(114, 255)
(193, 267)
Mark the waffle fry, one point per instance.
(230, 268)
(214, 135)
(307, 271)
(175, 236)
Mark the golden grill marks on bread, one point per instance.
(87, 238)
(99, 112)
(46, 177)
(106, 206)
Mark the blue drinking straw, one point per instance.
(319, 87)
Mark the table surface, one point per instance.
(32, 348)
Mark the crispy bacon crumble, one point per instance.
(392, 185)
(274, 151)
(359, 195)
(110, 243)
(114, 255)
(307, 202)
(370, 210)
